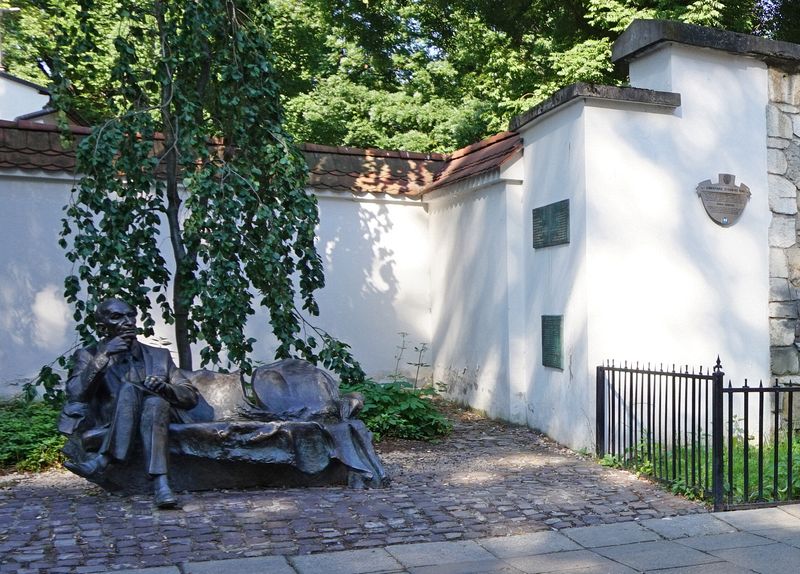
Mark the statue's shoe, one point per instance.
(88, 468)
(164, 497)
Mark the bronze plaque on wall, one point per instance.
(724, 201)
(552, 341)
(551, 224)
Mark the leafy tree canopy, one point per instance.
(427, 75)
(440, 74)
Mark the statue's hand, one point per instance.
(119, 344)
(110, 347)
(156, 384)
(114, 346)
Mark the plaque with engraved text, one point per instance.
(724, 201)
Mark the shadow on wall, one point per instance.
(35, 321)
(471, 302)
(358, 304)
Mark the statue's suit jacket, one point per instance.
(92, 393)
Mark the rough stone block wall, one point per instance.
(783, 156)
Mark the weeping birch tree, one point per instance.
(194, 159)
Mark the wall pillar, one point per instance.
(783, 153)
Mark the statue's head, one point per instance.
(114, 317)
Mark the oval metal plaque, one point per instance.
(724, 201)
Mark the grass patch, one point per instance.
(751, 493)
(674, 469)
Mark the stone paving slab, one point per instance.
(711, 568)
(611, 534)
(568, 561)
(156, 570)
(260, 565)
(793, 509)
(790, 536)
(528, 544)
(439, 553)
(768, 559)
(760, 519)
(346, 562)
(493, 566)
(724, 541)
(487, 480)
(666, 554)
(690, 525)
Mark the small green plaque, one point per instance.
(552, 349)
(551, 224)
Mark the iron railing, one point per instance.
(656, 420)
(733, 445)
(760, 457)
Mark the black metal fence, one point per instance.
(733, 445)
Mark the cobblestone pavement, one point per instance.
(487, 479)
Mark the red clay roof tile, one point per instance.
(478, 158)
(370, 171)
(31, 146)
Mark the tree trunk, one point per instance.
(180, 305)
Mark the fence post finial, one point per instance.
(717, 476)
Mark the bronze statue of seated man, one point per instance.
(121, 388)
(128, 405)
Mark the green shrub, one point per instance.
(398, 410)
(29, 440)
(44, 455)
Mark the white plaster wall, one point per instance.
(375, 255)
(558, 402)
(377, 275)
(469, 296)
(666, 283)
(17, 99)
(35, 322)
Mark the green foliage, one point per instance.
(637, 462)
(611, 461)
(49, 382)
(398, 410)
(44, 455)
(737, 485)
(785, 23)
(29, 440)
(434, 75)
(429, 75)
(193, 142)
(589, 61)
(341, 112)
(34, 40)
(691, 476)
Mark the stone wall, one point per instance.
(783, 151)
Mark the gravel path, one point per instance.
(486, 479)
